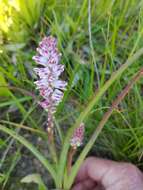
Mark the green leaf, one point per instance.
(2, 143)
(51, 4)
(14, 47)
(34, 150)
(3, 90)
(2, 177)
(34, 178)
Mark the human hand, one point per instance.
(100, 174)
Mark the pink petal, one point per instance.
(45, 104)
(57, 96)
(59, 84)
(46, 93)
(42, 72)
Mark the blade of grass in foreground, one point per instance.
(97, 131)
(30, 147)
(86, 112)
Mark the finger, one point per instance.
(93, 168)
(87, 184)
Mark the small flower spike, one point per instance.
(78, 136)
(49, 69)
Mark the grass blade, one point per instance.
(30, 147)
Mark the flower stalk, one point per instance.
(71, 154)
(75, 142)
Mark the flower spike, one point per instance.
(78, 136)
(50, 86)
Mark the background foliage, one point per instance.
(94, 42)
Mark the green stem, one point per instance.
(52, 148)
(86, 112)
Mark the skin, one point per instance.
(100, 174)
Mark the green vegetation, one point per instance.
(96, 38)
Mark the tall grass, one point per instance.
(95, 39)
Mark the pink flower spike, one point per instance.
(78, 136)
(50, 86)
